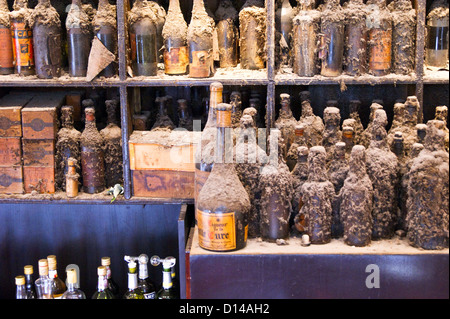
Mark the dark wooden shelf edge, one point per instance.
(24, 82)
(346, 79)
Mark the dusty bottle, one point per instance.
(332, 134)
(304, 37)
(6, 49)
(110, 282)
(403, 37)
(176, 56)
(200, 41)
(286, 122)
(112, 137)
(331, 51)
(299, 177)
(252, 26)
(283, 25)
(421, 133)
(67, 146)
(228, 34)
(354, 107)
(223, 203)
(314, 127)
(355, 56)
(161, 17)
(72, 291)
(47, 37)
(379, 23)
(436, 47)
(22, 37)
(163, 121)
(317, 195)
(92, 155)
(72, 179)
(299, 140)
(144, 56)
(348, 137)
(366, 135)
(356, 197)
(441, 114)
(105, 29)
(185, 119)
(102, 292)
(236, 108)
(397, 121)
(79, 37)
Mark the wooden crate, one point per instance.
(10, 113)
(10, 151)
(11, 180)
(41, 179)
(39, 153)
(163, 184)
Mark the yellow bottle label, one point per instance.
(216, 231)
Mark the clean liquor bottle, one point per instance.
(21, 291)
(111, 284)
(167, 290)
(103, 292)
(59, 287)
(134, 292)
(72, 292)
(29, 282)
(145, 283)
(44, 285)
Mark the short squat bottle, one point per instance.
(6, 50)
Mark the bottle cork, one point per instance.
(51, 262)
(71, 276)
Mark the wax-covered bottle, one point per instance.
(436, 47)
(403, 37)
(105, 29)
(332, 133)
(355, 56)
(6, 49)
(299, 177)
(227, 34)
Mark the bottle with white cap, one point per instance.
(167, 290)
(134, 292)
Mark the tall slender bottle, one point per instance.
(21, 291)
(403, 37)
(22, 36)
(283, 24)
(436, 47)
(354, 107)
(299, 140)
(223, 203)
(110, 282)
(6, 49)
(304, 36)
(355, 56)
(299, 177)
(176, 55)
(133, 292)
(236, 111)
(29, 282)
(79, 37)
(59, 287)
(252, 26)
(200, 41)
(44, 285)
(146, 285)
(144, 55)
(379, 22)
(163, 120)
(103, 292)
(47, 40)
(161, 16)
(286, 122)
(72, 292)
(105, 29)
(332, 134)
(228, 34)
(185, 119)
(92, 155)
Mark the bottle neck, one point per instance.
(199, 6)
(132, 281)
(223, 150)
(4, 6)
(143, 271)
(167, 279)
(52, 273)
(174, 6)
(71, 286)
(102, 283)
(19, 4)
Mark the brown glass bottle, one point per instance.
(144, 55)
(105, 29)
(200, 41)
(47, 37)
(6, 50)
(67, 146)
(176, 56)
(79, 37)
(92, 155)
(252, 26)
(286, 122)
(403, 37)
(22, 36)
(223, 204)
(236, 111)
(228, 34)
(185, 119)
(355, 56)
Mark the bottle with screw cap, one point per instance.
(134, 292)
(58, 286)
(21, 291)
(103, 292)
(111, 284)
(44, 285)
(72, 292)
(29, 282)
(167, 290)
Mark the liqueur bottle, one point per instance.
(72, 292)
(332, 134)
(22, 38)
(403, 37)
(44, 285)
(276, 192)
(105, 29)
(354, 107)
(299, 177)
(103, 292)
(58, 286)
(112, 137)
(286, 122)
(436, 47)
(72, 178)
(6, 49)
(67, 146)
(144, 282)
(317, 195)
(110, 283)
(200, 42)
(355, 56)
(79, 37)
(185, 119)
(356, 197)
(379, 22)
(223, 204)
(92, 155)
(167, 290)
(176, 56)
(331, 49)
(227, 34)
(252, 27)
(29, 282)
(236, 108)
(144, 55)
(47, 37)
(21, 291)
(283, 23)
(304, 37)
(133, 292)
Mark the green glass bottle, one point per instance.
(167, 290)
(134, 292)
(103, 291)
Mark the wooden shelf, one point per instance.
(63, 81)
(436, 77)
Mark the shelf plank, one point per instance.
(63, 81)
(436, 77)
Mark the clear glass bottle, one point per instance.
(6, 49)
(436, 47)
(111, 283)
(403, 37)
(228, 34)
(44, 285)
(355, 56)
(72, 292)
(133, 292)
(21, 291)
(103, 292)
(146, 285)
(59, 287)
(167, 290)
(252, 26)
(105, 29)
(29, 282)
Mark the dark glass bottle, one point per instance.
(92, 155)
(331, 50)
(176, 56)
(236, 111)
(332, 134)
(436, 47)
(286, 122)
(403, 37)
(6, 49)
(161, 18)
(79, 37)
(441, 114)
(47, 37)
(283, 24)
(252, 26)
(348, 137)
(299, 177)
(105, 29)
(355, 59)
(167, 290)
(21, 292)
(200, 41)
(185, 119)
(227, 34)
(29, 282)
(366, 135)
(133, 292)
(421, 133)
(354, 107)
(144, 282)
(144, 55)
(163, 121)
(22, 36)
(299, 140)
(223, 204)
(102, 292)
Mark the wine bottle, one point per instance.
(348, 137)
(314, 126)
(144, 55)
(223, 204)
(160, 14)
(79, 37)
(105, 29)
(299, 140)
(58, 286)
(163, 121)
(21, 291)
(167, 290)
(200, 41)
(299, 177)
(185, 119)
(286, 122)
(29, 282)
(133, 292)
(92, 155)
(22, 38)
(6, 49)
(103, 292)
(332, 134)
(441, 114)
(436, 47)
(110, 282)
(354, 107)
(228, 34)
(236, 111)
(47, 37)
(176, 56)
(366, 135)
(44, 285)
(403, 37)
(283, 24)
(72, 292)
